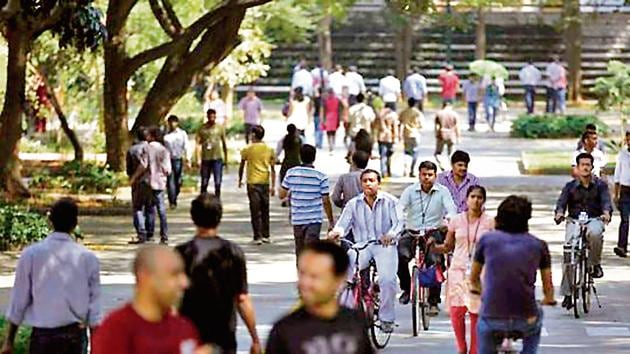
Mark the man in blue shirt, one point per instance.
(510, 257)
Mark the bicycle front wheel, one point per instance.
(414, 301)
(424, 307)
(380, 338)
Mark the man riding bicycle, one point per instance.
(589, 194)
(426, 204)
(373, 216)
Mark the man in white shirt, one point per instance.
(589, 145)
(337, 81)
(389, 90)
(530, 78)
(415, 86)
(303, 78)
(360, 116)
(213, 101)
(320, 80)
(176, 142)
(621, 196)
(355, 83)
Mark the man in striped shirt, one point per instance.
(373, 216)
(308, 191)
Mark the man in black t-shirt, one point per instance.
(320, 325)
(218, 281)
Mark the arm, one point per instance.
(449, 243)
(337, 193)
(94, 284)
(225, 150)
(328, 210)
(475, 278)
(438, 126)
(21, 298)
(606, 202)
(396, 220)
(344, 221)
(7, 346)
(561, 204)
(449, 204)
(547, 282)
(273, 176)
(241, 168)
(247, 313)
(198, 149)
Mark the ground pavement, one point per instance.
(272, 267)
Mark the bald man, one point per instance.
(148, 324)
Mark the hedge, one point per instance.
(554, 126)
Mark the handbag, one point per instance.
(431, 276)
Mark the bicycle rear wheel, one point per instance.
(379, 337)
(424, 307)
(587, 285)
(414, 301)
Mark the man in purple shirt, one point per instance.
(251, 106)
(458, 180)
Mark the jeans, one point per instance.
(386, 263)
(158, 202)
(595, 236)
(551, 100)
(258, 195)
(412, 149)
(385, 150)
(531, 332)
(175, 180)
(216, 168)
(62, 340)
(248, 130)
(143, 210)
(491, 115)
(319, 134)
(305, 234)
(624, 210)
(561, 97)
(472, 114)
(530, 97)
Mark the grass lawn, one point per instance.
(554, 162)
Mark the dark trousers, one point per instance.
(248, 130)
(624, 210)
(258, 195)
(305, 234)
(385, 150)
(175, 180)
(552, 100)
(214, 167)
(530, 96)
(406, 253)
(472, 114)
(61, 340)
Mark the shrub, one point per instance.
(86, 176)
(554, 126)
(20, 227)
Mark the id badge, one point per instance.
(208, 146)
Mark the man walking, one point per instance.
(212, 152)
(386, 135)
(308, 190)
(337, 81)
(57, 289)
(176, 142)
(148, 323)
(155, 168)
(470, 89)
(218, 281)
(355, 83)
(320, 325)
(415, 86)
(302, 78)
(360, 116)
(622, 196)
(389, 90)
(450, 83)
(458, 179)
(252, 108)
(530, 77)
(411, 121)
(260, 160)
(446, 131)
(141, 195)
(348, 185)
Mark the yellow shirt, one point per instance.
(260, 158)
(411, 122)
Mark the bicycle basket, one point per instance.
(430, 277)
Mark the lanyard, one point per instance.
(474, 235)
(423, 207)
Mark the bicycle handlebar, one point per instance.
(360, 247)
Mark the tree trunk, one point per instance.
(115, 105)
(324, 41)
(480, 34)
(573, 47)
(18, 41)
(404, 48)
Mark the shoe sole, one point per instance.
(620, 253)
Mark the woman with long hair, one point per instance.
(290, 145)
(464, 231)
(300, 109)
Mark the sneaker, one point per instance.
(136, 242)
(598, 272)
(567, 303)
(266, 240)
(163, 241)
(434, 310)
(404, 298)
(387, 327)
(257, 242)
(621, 252)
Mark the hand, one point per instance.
(205, 349)
(240, 184)
(549, 302)
(605, 218)
(334, 235)
(616, 201)
(256, 348)
(387, 240)
(558, 218)
(272, 191)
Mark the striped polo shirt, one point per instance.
(307, 186)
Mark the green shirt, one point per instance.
(210, 140)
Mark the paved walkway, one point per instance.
(272, 272)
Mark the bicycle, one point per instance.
(363, 295)
(419, 291)
(577, 255)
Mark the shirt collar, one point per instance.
(419, 187)
(60, 236)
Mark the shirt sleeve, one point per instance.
(396, 217)
(618, 169)
(275, 343)
(605, 197)
(21, 295)
(324, 186)
(449, 204)
(94, 285)
(286, 182)
(479, 251)
(345, 219)
(244, 153)
(337, 191)
(545, 256)
(561, 204)
(241, 269)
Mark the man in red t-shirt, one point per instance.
(450, 84)
(148, 324)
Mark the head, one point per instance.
(64, 215)
(160, 276)
(459, 163)
(360, 159)
(530, 61)
(330, 92)
(590, 127)
(628, 139)
(251, 93)
(338, 68)
(360, 98)
(154, 134)
(584, 163)
(411, 102)
(555, 58)
(258, 133)
(352, 68)
(322, 268)
(513, 215)
(307, 154)
(391, 72)
(298, 93)
(448, 67)
(447, 105)
(214, 95)
(589, 140)
(291, 129)
(475, 198)
(206, 211)
(428, 174)
(211, 115)
(141, 134)
(370, 182)
(172, 122)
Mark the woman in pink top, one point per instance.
(332, 112)
(464, 231)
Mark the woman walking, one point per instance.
(332, 111)
(290, 145)
(464, 231)
(300, 109)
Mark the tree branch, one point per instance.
(165, 20)
(168, 7)
(134, 63)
